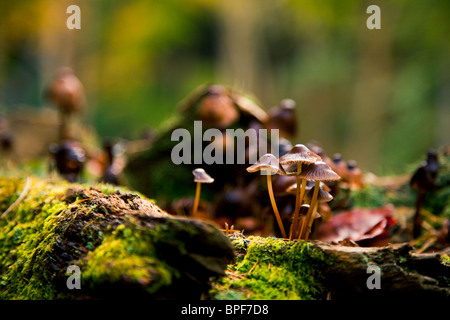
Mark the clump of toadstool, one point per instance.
(321, 196)
(306, 166)
(318, 172)
(295, 159)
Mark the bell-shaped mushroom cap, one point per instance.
(291, 169)
(351, 164)
(304, 210)
(201, 176)
(299, 154)
(322, 195)
(319, 171)
(267, 162)
(281, 183)
(309, 185)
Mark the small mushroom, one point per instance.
(283, 118)
(318, 171)
(354, 176)
(304, 208)
(299, 155)
(423, 180)
(269, 164)
(67, 93)
(114, 162)
(284, 185)
(69, 158)
(339, 166)
(200, 176)
(309, 185)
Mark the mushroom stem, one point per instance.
(310, 215)
(298, 200)
(302, 194)
(63, 125)
(197, 199)
(274, 205)
(308, 230)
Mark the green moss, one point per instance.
(125, 257)
(30, 231)
(20, 246)
(273, 268)
(445, 259)
(368, 197)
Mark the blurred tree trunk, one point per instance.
(442, 133)
(56, 44)
(371, 91)
(240, 43)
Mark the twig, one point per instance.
(20, 198)
(427, 244)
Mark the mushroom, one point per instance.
(67, 93)
(339, 165)
(283, 118)
(269, 164)
(318, 171)
(69, 158)
(354, 176)
(292, 189)
(423, 180)
(295, 158)
(200, 176)
(321, 196)
(304, 208)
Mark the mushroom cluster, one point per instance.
(306, 166)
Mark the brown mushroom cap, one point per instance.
(304, 210)
(299, 154)
(322, 195)
(281, 183)
(291, 169)
(319, 171)
(269, 163)
(309, 185)
(201, 176)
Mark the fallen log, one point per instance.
(123, 245)
(272, 268)
(402, 273)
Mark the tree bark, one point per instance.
(403, 272)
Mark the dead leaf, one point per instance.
(358, 224)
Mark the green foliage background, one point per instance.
(380, 97)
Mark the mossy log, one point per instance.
(124, 245)
(127, 247)
(403, 273)
(272, 268)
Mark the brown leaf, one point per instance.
(358, 224)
